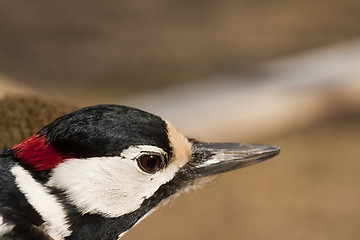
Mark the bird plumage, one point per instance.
(96, 172)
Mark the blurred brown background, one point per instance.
(73, 48)
(75, 53)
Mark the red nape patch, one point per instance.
(38, 154)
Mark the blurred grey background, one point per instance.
(276, 72)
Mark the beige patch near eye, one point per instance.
(180, 145)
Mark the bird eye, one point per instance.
(150, 163)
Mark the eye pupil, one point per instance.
(150, 163)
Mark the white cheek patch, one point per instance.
(4, 227)
(110, 186)
(43, 202)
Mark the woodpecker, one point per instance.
(96, 172)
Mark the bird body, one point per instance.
(96, 172)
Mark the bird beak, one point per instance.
(213, 158)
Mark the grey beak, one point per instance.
(213, 158)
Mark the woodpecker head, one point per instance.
(117, 162)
